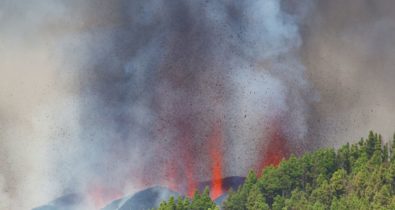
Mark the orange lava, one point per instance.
(191, 183)
(276, 149)
(216, 160)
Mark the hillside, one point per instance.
(356, 176)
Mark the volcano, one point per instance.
(151, 197)
(145, 199)
(67, 202)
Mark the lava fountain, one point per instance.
(276, 149)
(216, 161)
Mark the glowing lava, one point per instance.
(276, 149)
(191, 183)
(216, 160)
(180, 170)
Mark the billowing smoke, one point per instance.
(349, 53)
(38, 102)
(103, 99)
(178, 84)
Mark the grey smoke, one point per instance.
(171, 71)
(107, 94)
(349, 53)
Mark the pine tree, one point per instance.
(371, 144)
(279, 203)
(172, 203)
(392, 150)
(182, 204)
(338, 182)
(202, 201)
(385, 155)
(256, 200)
(343, 157)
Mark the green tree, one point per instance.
(338, 182)
(350, 202)
(182, 204)
(356, 176)
(383, 197)
(235, 201)
(270, 183)
(172, 203)
(297, 200)
(324, 162)
(323, 193)
(343, 158)
(385, 153)
(392, 150)
(202, 201)
(256, 200)
(279, 203)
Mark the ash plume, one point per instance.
(172, 74)
(105, 98)
(349, 53)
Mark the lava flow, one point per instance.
(276, 149)
(216, 160)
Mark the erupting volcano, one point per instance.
(113, 98)
(181, 174)
(192, 94)
(182, 94)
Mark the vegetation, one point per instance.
(357, 176)
(199, 202)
